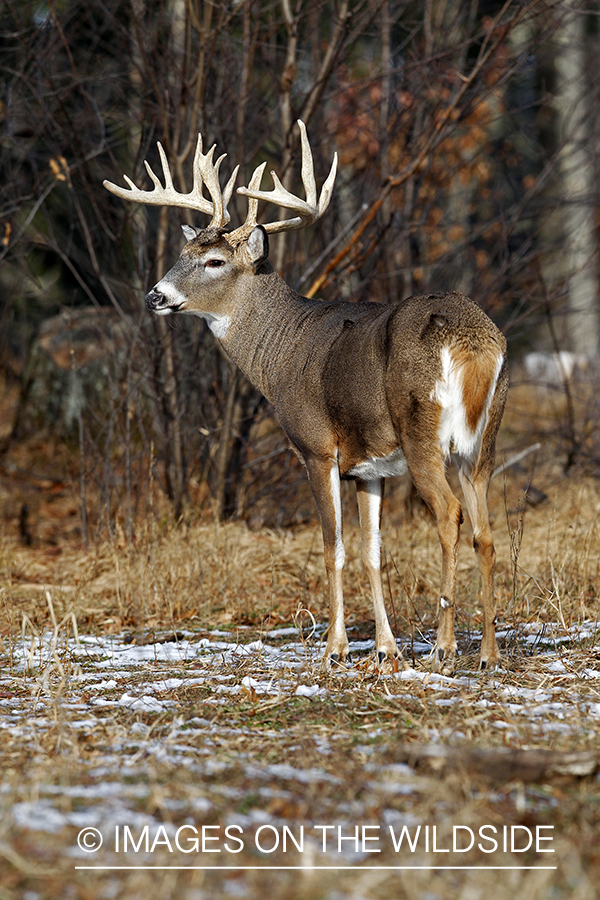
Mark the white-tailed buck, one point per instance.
(363, 391)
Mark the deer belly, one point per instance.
(375, 467)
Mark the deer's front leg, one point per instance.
(324, 478)
(370, 495)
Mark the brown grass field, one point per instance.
(168, 688)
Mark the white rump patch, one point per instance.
(455, 435)
(380, 467)
(445, 604)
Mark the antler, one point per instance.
(308, 210)
(205, 173)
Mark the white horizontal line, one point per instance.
(304, 868)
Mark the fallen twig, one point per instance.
(513, 460)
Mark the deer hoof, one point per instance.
(387, 661)
(490, 665)
(444, 661)
(334, 662)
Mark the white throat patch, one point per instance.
(219, 325)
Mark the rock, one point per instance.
(76, 365)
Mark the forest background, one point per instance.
(469, 144)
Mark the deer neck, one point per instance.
(266, 331)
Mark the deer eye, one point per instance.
(214, 263)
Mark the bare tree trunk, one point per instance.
(287, 79)
(312, 99)
(225, 436)
(580, 243)
(249, 46)
(174, 466)
(384, 125)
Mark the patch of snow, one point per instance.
(259, 687)
(310, 690)
(287, 772)
(280, 632)
(557, 665)
(145, 703)
(40, 815)
(119, 676)
(104, 685)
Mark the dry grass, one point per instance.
(211, 747)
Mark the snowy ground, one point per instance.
(228, 751)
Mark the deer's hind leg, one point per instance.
(475, 479)
(474, 485)
(427, 469)
(370, 496)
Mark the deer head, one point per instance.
(214, 259)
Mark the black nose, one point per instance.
(154, 299)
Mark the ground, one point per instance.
(166, 692)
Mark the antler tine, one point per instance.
(244, 230)
(228, 191)
(308, 210)
(206, 172)
(308, 167)
(327, 189)
(165, 167)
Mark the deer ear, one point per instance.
(189, 232)
(258, 245)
